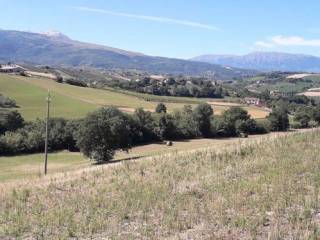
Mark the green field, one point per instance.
(31, 99)
(74, 102)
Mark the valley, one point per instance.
(101, 142)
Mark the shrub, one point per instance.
(161, 108)
(6, 102)
(75, 82)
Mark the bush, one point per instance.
(31, 137)
(6, 102)
(161, 108)
(75, 82)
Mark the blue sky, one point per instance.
(175, 28)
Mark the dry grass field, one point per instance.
(267, 188)
(31, 166)
(311, 94)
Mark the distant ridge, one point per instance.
(266, 61)
(54, 48)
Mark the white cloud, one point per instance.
(148, 18)
(287, 42)
(295, 41)
(263, 44)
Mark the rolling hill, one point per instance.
(59, 50)
(266, 61)
(263, 189)
(75, 102)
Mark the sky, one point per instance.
(175, 28)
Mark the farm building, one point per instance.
(12, 68)
(253, 101)
(282, 94)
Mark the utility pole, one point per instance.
(47, 133)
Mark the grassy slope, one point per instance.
(31, 99)
(267, 189)
(31, 166)
(74, 102)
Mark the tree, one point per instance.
(231, 116)
(316, 114)
(279, 119)
(161, 108)
(249, 126)
(71, 134)
(302, 118)
(143, 126)
(103, 132)
(202, 115)
(165, 128)
(185, 123)
(10, 121)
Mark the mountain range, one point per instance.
(266, 61)
(56, 49)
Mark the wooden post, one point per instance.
(47, 133)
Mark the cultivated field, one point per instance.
(264, 189)
(311, 93)
(300, 75)
(74, 102)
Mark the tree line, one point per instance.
(106, 130)
(179, 87)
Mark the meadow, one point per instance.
(262, 189)
(30, 166)
(74, 102)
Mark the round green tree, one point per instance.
(103, 132)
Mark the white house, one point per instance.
(11, 68)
